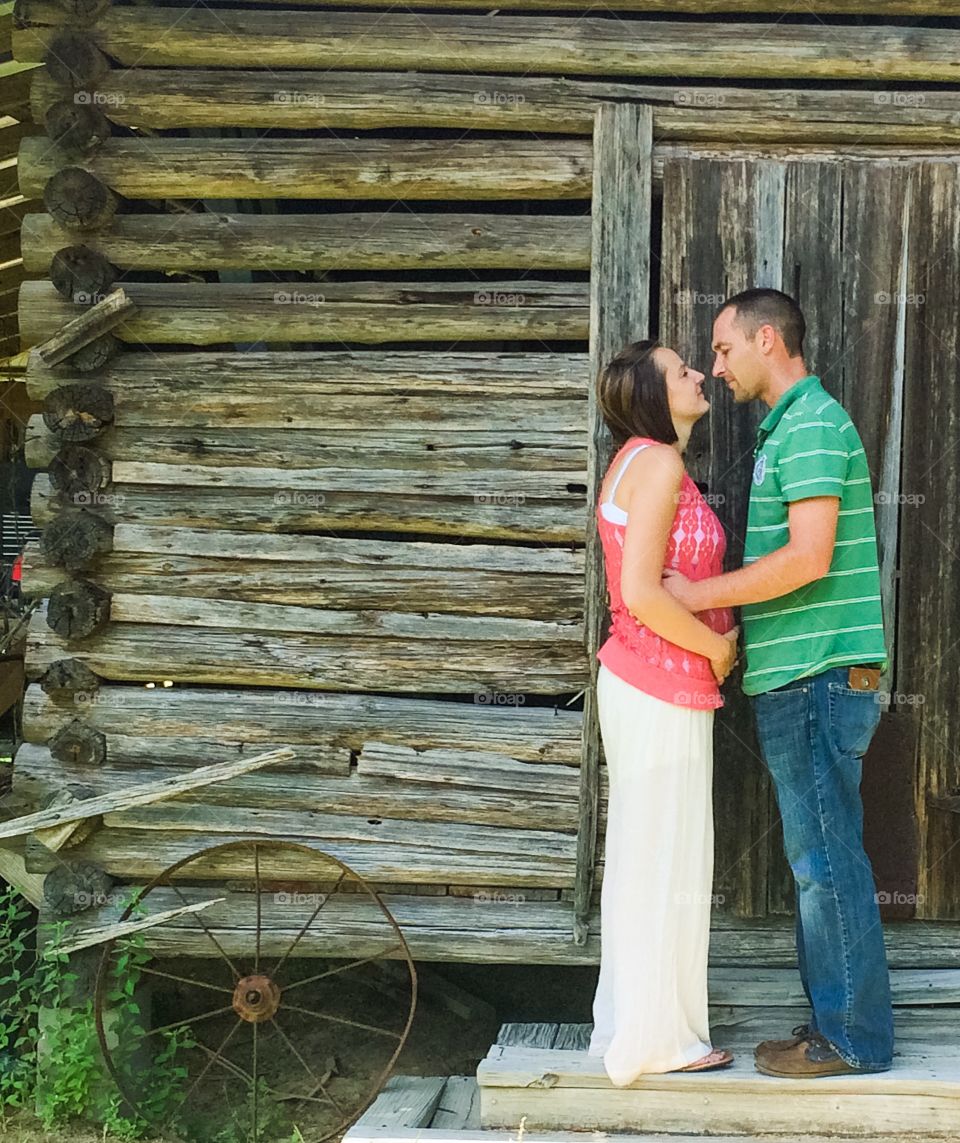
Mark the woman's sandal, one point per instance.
(718, 1058)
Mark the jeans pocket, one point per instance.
(782, 721)
(854, 716)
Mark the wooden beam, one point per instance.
(99, 319)
(370, 241)
(411, 169)
(692, 112)
(369, 312)
(583, 45)
(619, 314)
(140, 795)
(92, 937)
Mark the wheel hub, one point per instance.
(256, 998)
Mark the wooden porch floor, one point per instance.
(538, 1084)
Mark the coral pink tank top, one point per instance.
(696, 547)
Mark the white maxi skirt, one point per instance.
(650, 1007)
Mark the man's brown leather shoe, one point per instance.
(809, 1059)
(801, 1032)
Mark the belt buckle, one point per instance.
(864, 678)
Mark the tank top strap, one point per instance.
(623, 467)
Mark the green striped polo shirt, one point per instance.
(808, 446)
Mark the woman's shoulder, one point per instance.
(665, 456)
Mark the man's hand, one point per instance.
(683, 590)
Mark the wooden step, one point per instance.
(564, 1089)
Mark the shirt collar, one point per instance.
(797, 390)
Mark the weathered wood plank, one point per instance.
(370, 241)
(144, 652)
(408, 169)
(443, 793)
(404, 1102)
(307, 719)
(92, 323)
(332, 572)
(369, 312)
(255, 510)
(165, 37)
(765, 987)
(619, 314)
(140, 794)
(111, 932)
(692, 112)
(929, 620)
(216, 383)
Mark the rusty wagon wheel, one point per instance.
(258, 1038)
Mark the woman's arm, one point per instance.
(655, 488)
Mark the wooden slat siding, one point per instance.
(141, 381)
(165, 98)
(371, 241)
(15, 78)
(325, 168)
(754, 987)
(12, 212)
(619, 314)
(306, 718)
(259, 510)
(871, 8)
(373, 312)
(317, 571)
(164, 37)
(929, 616)
(708, 252)
(878, 212)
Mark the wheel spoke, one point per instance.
(317, 1082)
(215, 1057)
(187, 980)
(313, 917)
(256, 1072)
(190, 1020)
(343, 1020)
(203, 924)
(256, 869)
(342, 968)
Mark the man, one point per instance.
(815, 649)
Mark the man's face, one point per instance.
(739, 363)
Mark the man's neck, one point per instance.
(783, 379)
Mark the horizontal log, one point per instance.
(556, 486)
(568, 45)
(333, 572)
(371, 241)
(499, 856)
(466, 786)
(142, 381)
(427, 447)
(146, 652)
(324, 168)
(691, 112)
(871, 8)
(511, 518)
(140, 794)
(456, 630)
(306, 719)
(204, 314)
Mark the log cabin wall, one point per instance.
(329, 476)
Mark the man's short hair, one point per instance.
(761, 306)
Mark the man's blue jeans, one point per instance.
(813, 733)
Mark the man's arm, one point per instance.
(804, 558)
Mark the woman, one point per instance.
(657, 689)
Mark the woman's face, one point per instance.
(684, 386)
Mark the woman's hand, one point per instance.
(723, 664)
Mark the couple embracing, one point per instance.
(814, 649)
